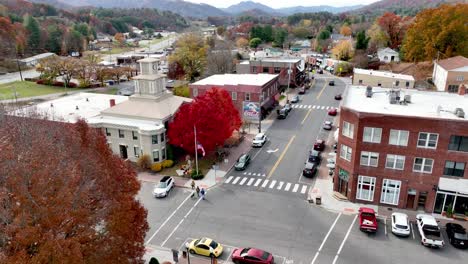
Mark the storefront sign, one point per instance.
(344, 175)
(251, 111)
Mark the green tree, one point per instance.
(301, 32)
(190, 53)
(255, 42)
(82, 28)
(324, 34)
(54, 43)
(361, 40)
(34, 34)
(280, 35)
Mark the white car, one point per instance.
(163, 188)
(259, 140)
(400, 224)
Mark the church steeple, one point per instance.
(150, 82)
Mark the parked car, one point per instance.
(333, 112)
(302, 90)
(164, 186)
(457, 235)
(309, 169)
(327, 125)
(400, 224)
(287, 107)
(259, 140)
(429, 231)
(294, 99)
(251, 256)
(320, 71)
(338, 97)
(314, 157)
(205, 246)
(367, 220)
(242, 162)
(282, 113)
(331, 83)
(319, 145)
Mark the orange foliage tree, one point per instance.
(65, 198)
(395, 27)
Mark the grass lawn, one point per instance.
(110, 90)
(204, 164)
(28, 89)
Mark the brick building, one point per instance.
(403, 148)
(450, 74)
(278, 66)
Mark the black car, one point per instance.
(314, 157)
(320, 71)
(309, 170)
(457, 235)
(331, 83)
(242, 162)
(338, 97)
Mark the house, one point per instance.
(34, 60)
(404, 149)
(138, 126)
(382, 79)
(335, 37)
(388, 55)
(280, 66)
(450, 74)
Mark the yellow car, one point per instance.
(205, 246)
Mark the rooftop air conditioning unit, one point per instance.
(369, 91)
(459, 112)
(407, 98)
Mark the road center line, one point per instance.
(344, 240)
(308, 112)
(281, 156)
(173, 213)
(321, 91)
(325, 239)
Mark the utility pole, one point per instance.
(196, 148)
(19, 66)
(289, 81)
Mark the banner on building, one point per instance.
(251, 111)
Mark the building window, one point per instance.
(163, 137)
(369, 158)
(458, 143)
(452, 88)
(407, 84)
(365, 188)
(372, 134)
(346, 152)
(427, 140)
(277, 69)
(266, 70)
(453, 168)
(195, 92)
(395, 162)
(154, 139)
(234, 96)
(108, 133)
(360, 82)
(121, 134)
(379, 84)
(397, 83)
(163, 153)
(134, 135)
(155, 155)
(136, 151)
(398, 137)
(423, 165)
(390, 192)
(459, 78)
(254, 69)
(247, 96)
(348, 129)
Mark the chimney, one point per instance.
(112, 102)
(77, 108)
(462, 90)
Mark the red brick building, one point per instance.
(278, 66)
(405, 149)
(261, 89)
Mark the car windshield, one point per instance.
(242, 158)
(461, 236)
(162, 185)
(213, 244)
(401, 226)
(244, 252)
(265, 255)
(258, 137)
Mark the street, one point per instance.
(265, 206)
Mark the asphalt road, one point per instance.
(251, 210)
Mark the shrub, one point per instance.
(144, 161)
(197, 175)
(57, 83)
(153, 261)
(168, 163)
(157, 167)
(72, 85)
(41, 81)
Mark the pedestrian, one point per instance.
(193, 184)
(198, 191)
(202, 192)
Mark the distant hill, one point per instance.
(248, 6)
(314, 9)
(400, 7)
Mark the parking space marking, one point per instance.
(229, 179)
(250, 181)
(287, 186)
(412, 229)
(304, 188)
(344, 240)
(236, 180)
(325, 238)
(265, 183)
(243, 181)
(385, 225)
(257, 182)
(280, 184)
(296, 187)
(272, 184)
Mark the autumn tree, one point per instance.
(443, 29)
(120, 38)
(220, 59)
(66, 198)
(377, 38)
(190, 53)
(395, 27)
(345, 30)
(343, 51)
(300, 32)
(214, 116)
(242, 43)
(175, 71)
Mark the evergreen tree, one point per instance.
(34, 33)
(361, 40)
(54, 43)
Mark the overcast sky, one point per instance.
(288, 3)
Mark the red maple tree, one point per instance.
(65, 198)
(214, 116)
(395, 27)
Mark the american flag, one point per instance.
(200, 147)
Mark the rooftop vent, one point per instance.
(408, 98)
(369, 91)
(394, 96)
(87, 100)
(459, 112)
(51, 105)
(77, 108)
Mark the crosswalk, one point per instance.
(267, 184)
(317, 107)
(254, 174)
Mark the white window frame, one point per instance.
(195, 92)
(374, 135)
(424, 163)
(347, 129)
(361, 193)
(400, 140)
(395, 161)
(459, 78)
(247, 97)
(159, 155)
(234, 96)
(425, 136)
(367, 157)
(346, 152)
(136, 151)
(386, 190)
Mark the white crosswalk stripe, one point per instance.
(313, 107)
(249, 173)
(328, 107)
(264, 184)
(245, 173)
(257, 182)
(323, 107)
(243, 181)
(309, 106)
(263, 175)
(287, 186)
(280, 184)
(304, 188)
(236, 180)
(296, 186)
(229, 179)
(250, 181)
(272, 184)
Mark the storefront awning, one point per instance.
(453, 185)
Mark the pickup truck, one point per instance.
(429, 231)
(367, 220)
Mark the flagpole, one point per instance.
(196, 148)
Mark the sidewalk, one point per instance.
(165, 255)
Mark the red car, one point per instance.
(319, 145)
(302, 90)
(333, 112)
(367, 220)
(251, 256)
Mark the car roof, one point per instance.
(400, 218)
(310, 165)
(428, 219)
(319, 141)
(165, 178)
(205, 241)
(314, 153)
(255, 252)
(456, 227)
(260, 134)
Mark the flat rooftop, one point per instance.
(384, 74)
(237, 79)
(286, 60)
(438, 105)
